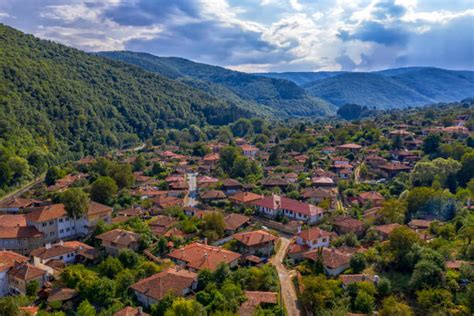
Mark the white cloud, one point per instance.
(296, 5)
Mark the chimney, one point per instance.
(61, 243)
(205, 255)
(376, 279)
(140, 311)
(205, 241)
(299, 229)
(47, 245)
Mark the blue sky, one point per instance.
(262, 35)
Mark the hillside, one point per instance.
(392, 88)
(300, 78)
(58, 99)
(281, 97)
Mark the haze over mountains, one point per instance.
(392, 88)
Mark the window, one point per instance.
(52, 233)
(44, 224)
(61, 231)
(61, 257)
(51, 222)
(60, 220)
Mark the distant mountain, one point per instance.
(277, 96)
(300, 78)
(392, 88)
(57, 99)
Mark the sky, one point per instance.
(262, 35)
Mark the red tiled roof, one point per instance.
(8, 258)
(212, 194)
(119, 236)
(130, 311)
(97, 208)
(25, 271)
(234, 221)
(13, 220)
(332, 258)
(276, 202)
(16, 202)
(395, 167)
(371, 196)
(168, 281)
(314, 233)
(20, 232)
(387, 229)
(349, 146)
(46, 213)
(254, 238)
(62, 294)
(245, 197)
(199, 256)
(347, 222)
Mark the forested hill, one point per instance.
(54, 98)
(387, 89)
(282, 97)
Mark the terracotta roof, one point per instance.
(247, 147)
(62, 294)
(212, 194)
(20, 232)
(393, 166)
(13, 220)
(275, 182)
(97, 208)
(120, 236)
(175, 232)
(231, 183)
(199, 256)
(276, 202)
(53, 251)
(254, 238)
(349, 146)
(8, 258)
(255, 298)
(25, 271)
(29, 310)
(371, 196)
(317, 193)
(420, 223)
(331, 257)
(46, 213)
(169, 281)
(347, 222)
(211, 157)
(206, 180)
(131, 311)
(234, 221)
(456, 264)
(387, 229)
(245, 197)
(297, 248)
(322, 180)
(354, 278)
(16, 202)
(314, 233)
(162, 221)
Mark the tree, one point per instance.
(53, 174)
(392, 307)
(76, 202)
(241, 127)
(358, 263)
(213, 225)
(434, 300)
(275, 156)
(139, 164)
(85, 309)
(402, 239)
(32, 288)
(426, 274)
(200, 149)
(320, 293)
(228, 155)
(184, 307)
(110, 267)
(9, 306)
(393, 211)
(129, 258)
(123, 175)
(364, 302)
(425, 172)
(467, 168)
(431, 144)
(72, 275)
(103, 189)
(163, 305)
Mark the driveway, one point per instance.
(288, 291)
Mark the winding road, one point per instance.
(288, 291)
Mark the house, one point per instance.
(118, 239)
(333, 260)
(63, 251)
(7, 261)
(272, 183)
(131, 311)
(17, 204)
(249, 151)
(160, 224)
(211, 159)
(234, 222)
(347, 279)
(419, 224)
(206, 181)
(323, 182)
(392, 169)
(178, 282)
(349, 147)
(372, 198)
(254, 299)
(212, 195)
(274, 205)
(21, 239)
(21, 274)
(375, 161)
(313, 238)
(258, 242)
(318, 195)
(62, 294)
(245, 198)
(328, 150)
(346, 224)
(385, 230)
(231, 186)
(197, 256)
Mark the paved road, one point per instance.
(288, 291)
(191, 197)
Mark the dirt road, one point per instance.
(288, 291)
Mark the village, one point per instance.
(251, 223)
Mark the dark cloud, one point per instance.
(378, 33)
(148, 12)
(388, 9)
